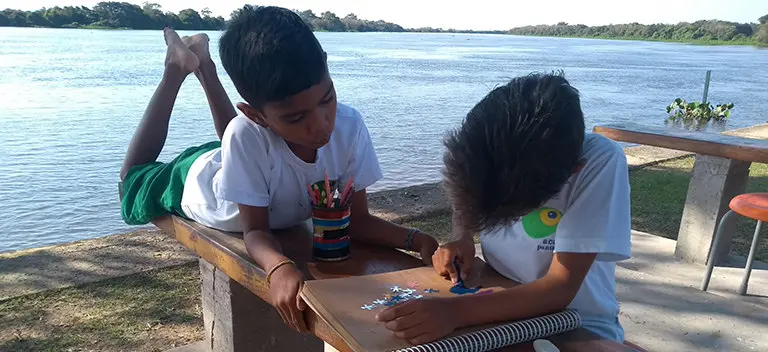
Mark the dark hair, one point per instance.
(270, 54)
(515, 150)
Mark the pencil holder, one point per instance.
(330, 241)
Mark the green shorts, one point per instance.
(155, 189)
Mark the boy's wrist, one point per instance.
(463, 307)
(416, 240)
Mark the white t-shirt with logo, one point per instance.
(254, 166)
(591, 214)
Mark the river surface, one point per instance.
(71, 100)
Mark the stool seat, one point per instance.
(751, 205)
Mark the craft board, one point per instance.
(341, 301)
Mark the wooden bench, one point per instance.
(720, 172)
(237, 316)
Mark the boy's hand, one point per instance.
(427, 246)
(463, 249)
(420, 321)
(284, 289)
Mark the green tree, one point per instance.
(308, 17)
(122, 15)
(191, 19)
(156, 15)
(15, 18)
(58, 17)
(36, 19)
(173, 20)
(353, 24)
(762, 30)
(330, 22)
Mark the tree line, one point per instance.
(699, 31)
(111, 14)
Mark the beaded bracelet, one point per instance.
(409, 239)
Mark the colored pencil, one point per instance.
(328, 195)
(347, 190)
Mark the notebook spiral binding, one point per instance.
(504, 335)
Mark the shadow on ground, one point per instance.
(88, 261)
(677, 318)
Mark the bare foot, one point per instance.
(198, 44)
(178, 55)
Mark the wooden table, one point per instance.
(237, 316)
(720, 172)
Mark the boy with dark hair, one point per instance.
(551, 206)
(290, 133)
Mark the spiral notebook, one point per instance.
(350, 305)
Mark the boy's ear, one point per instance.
(252, 114)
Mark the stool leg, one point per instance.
(750, 259)
(713, 251)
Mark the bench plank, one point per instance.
(706, 143)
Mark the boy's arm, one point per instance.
(285, 283)
(364, 226)
(425, 320)
(551, 293)
(369, 228)
(259, 241)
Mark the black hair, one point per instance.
(515, 150)
(270, 54)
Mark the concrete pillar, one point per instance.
(237, 320)
(715, 181)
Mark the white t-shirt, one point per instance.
(255, 167)
(591, 214)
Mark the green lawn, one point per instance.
(658, 197)
(156, 310)
(150, 311)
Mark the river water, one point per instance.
(71, 99)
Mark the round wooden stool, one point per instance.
(753, 206)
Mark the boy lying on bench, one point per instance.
(290, 132)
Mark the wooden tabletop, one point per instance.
(227, 252)
(706, 143)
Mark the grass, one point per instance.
(160, 309)
(150, 311)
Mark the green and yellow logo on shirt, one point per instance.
(541, 222)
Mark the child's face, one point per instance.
(305, 119)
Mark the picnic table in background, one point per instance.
(720, 172)
(238, 317)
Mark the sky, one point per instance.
(477, 14)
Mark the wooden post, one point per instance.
(237, 320)
(706, 87)
(715, 181)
